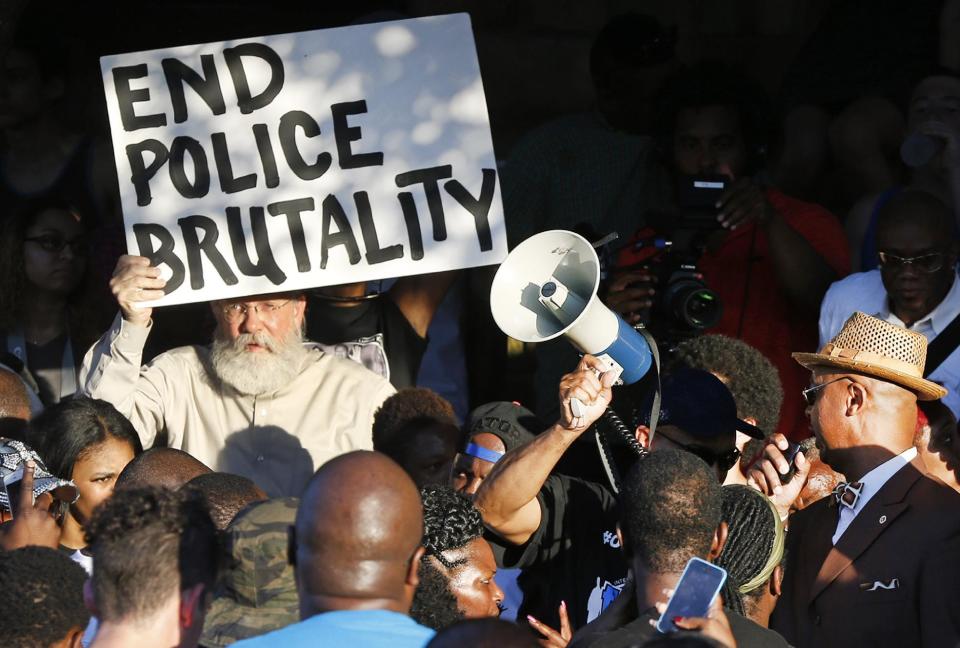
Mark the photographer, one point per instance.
(768, 257)
(562, 531)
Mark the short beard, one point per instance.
(257, 373)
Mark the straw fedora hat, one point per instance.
(869, 346)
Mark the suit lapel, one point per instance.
(877, 516)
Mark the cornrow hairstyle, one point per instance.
(42, 597)
(450, 522)
(754, 546)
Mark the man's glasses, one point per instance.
(266, 311)
(810, 394)
(53, 243)
(924, 263)
(723, 461)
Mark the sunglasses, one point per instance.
(926, 263)
(55, 244)
(810, 394)
(723, 461)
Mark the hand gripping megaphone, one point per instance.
(547, 287)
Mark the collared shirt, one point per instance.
(278, 440)
(361, 628)
(864, 292)
(871, 483)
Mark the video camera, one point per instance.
(670, 247)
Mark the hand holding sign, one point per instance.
(135, 280)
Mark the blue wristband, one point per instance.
(483, 453)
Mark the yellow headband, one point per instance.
(776, 554)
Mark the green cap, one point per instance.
(257, 594)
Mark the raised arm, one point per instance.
(111, 369)
(508, 496)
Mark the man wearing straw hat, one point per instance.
(878, 563)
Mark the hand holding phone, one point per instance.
(696, 590)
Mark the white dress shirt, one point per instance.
(864, 291)
(871, 483)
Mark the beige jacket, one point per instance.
(277, 440)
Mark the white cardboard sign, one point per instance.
(307, 159)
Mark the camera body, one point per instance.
(670, 247)
(683, 302)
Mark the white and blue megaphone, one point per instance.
(547, 287)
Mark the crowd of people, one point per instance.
(271, 469)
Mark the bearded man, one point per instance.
(258, 402)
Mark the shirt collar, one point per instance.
(874, 480)
(937, 319)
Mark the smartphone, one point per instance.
(12, 484)
(699, 584)
(790, 454)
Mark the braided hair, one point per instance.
(450, 522)
(754, 545)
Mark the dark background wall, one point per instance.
(533, 53)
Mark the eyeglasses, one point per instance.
(266, 311)
(810, 394)
(724, 461)
(924, 263)
(55, 244)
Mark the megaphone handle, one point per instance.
(578, 409)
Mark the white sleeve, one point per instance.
(111, 371)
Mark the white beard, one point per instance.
(255, 373)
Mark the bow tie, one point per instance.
(847, 494)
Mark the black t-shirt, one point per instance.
(747, 633)
(574, 555)
(377, 325)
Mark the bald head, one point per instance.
(164, 467)
(920, 209)
(14, 405)
(358, 534)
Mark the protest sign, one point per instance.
(309, 159)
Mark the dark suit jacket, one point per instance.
(893, 578)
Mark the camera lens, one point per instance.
(693, 305)
(701, 309)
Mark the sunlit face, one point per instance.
(827, 414)
(46, 268)
(277, 315)
(477, 594)
(469, 472)
(95, 474)
(708, 141)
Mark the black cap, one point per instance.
(512, 423)
(698, 403)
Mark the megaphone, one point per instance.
(547, 287)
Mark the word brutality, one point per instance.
(187, 162)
